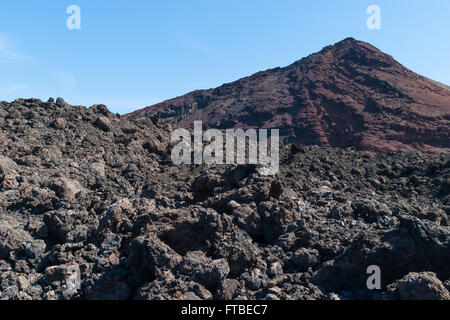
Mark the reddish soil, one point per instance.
(347, 95)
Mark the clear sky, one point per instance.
(134, 53)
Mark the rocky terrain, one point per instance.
(347, 95)
(91, 207)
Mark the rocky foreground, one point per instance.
(91, 207)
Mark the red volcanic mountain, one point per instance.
(347, 95)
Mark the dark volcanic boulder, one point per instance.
(420, 286)
(202, 269)
(149, 257)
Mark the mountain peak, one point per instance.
(350, 94)
(358, 51)
(349, 41)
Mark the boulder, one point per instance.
(202, 269)
(421, 286)
(7, 166)
(103, 123)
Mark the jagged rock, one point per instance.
(155, 146)
(421, 286)
(255, 279)
(310, 291)
(103, 123)
(66, 225)
(241, 256)
(10, 182)
(35, 248)
(197, 230)
(202, 269)
(205, 184)
(59, 123)
(168, 287)
(149, 257)
(116, 216)
(67, 188)
(66, 274)
(276, 220)
(7, 166)
(370, 210)
(306, 258)
(248, 219)
(98, 168)
(60, 102)
(12, 237)
(275, 269)
(419, 243)
(227, 289)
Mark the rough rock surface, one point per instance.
(421, 286)
(347, 95)
(90, 213)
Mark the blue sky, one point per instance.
(134, 53)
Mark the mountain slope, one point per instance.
(92, 207)
(347, 95)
